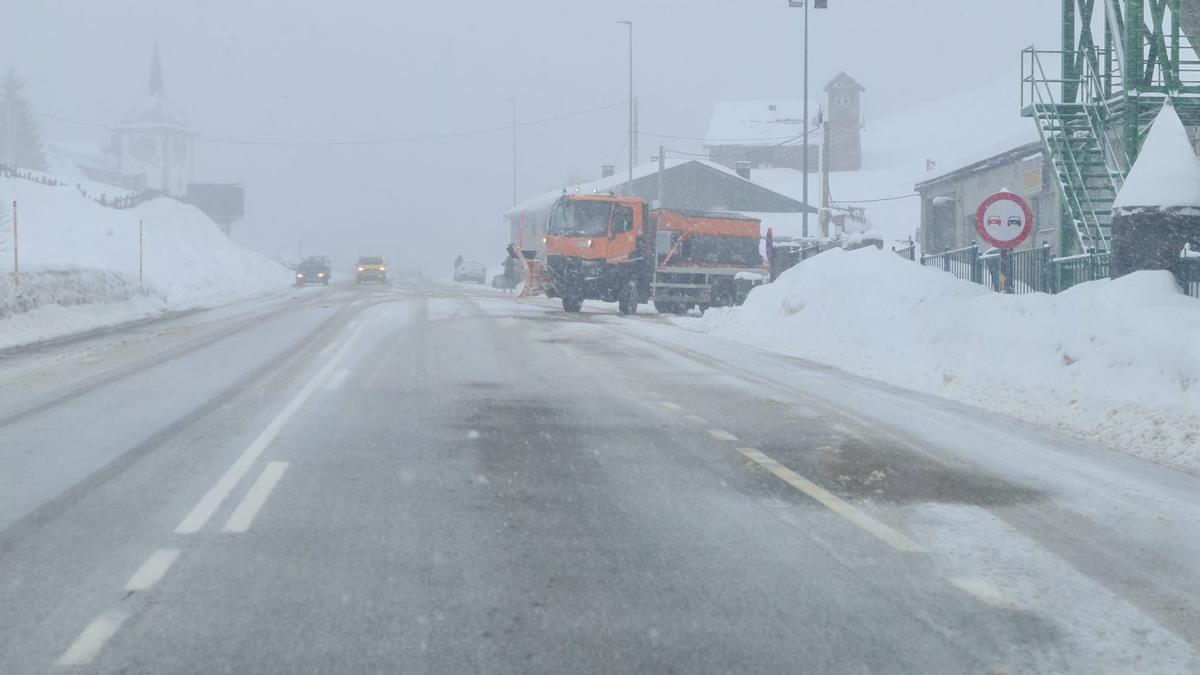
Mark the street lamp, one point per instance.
(513, 101)
(629, 185)
(818, 4)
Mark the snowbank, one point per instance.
(1114, 361)
(79, 263)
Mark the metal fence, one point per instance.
(1036, 270)
(909, 252)
(961, 262)
(1188, 275)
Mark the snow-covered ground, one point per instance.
(79, 263)
(1112, 361)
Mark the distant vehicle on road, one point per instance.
(371, 268)
(471, 270)
(314, 270)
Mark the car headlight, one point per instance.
(320, 274)
(361, 269)
(299, 275)
(382, 268)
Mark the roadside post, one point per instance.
(16, 249)
(1004, 220)
(141, 259)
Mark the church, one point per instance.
(154, 140)
(151, 147)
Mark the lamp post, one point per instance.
(513, 101)
(819, 4)
(629, 185)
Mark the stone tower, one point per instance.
(845, 123)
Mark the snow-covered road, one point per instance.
(427, 478)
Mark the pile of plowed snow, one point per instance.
(79, 263)
(1114, 361)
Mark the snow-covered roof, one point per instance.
(954, 131)
(1167, 172)
(760, 122)
(155, 112)
(613, 182)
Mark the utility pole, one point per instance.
(820, 4)
(632, 142)
(662, 168)
(825, 214)
(514, 150)
(637, 125)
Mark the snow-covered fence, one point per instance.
(64, 287)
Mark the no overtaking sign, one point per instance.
(1004, 220)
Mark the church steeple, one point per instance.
(156, 78)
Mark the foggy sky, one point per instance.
(306, 70)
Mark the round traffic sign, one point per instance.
(1004, 220)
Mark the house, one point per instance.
(950, 199)
(694, 185)
(756, 133)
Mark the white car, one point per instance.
(471, 270)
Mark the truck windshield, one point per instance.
(578, 218)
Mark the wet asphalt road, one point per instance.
(424, 479)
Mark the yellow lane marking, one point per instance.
(880, 531)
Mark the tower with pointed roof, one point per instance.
(845, 123)
(154, 139)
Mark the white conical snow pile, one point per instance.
(1167, 172)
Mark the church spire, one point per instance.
(156, 78)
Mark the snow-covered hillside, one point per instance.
(1114, 361)
(79, 262)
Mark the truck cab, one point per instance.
(598, 247)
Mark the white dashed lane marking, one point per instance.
(722, 435)
(152, 570)
(880, 531)
(92, 639)
(243, 516)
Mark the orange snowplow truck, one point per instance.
(617, 249)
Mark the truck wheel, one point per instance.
(663, 307)
(628, 301)
(572, 304)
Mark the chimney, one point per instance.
(607, 170)
(743, 169)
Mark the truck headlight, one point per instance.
(361, 269)
(320, 274)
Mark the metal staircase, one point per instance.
(1092, 104)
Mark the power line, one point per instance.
(752, 151)
(376, 141)
(873, 201)
(723, 140)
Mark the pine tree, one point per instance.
(20, 143)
